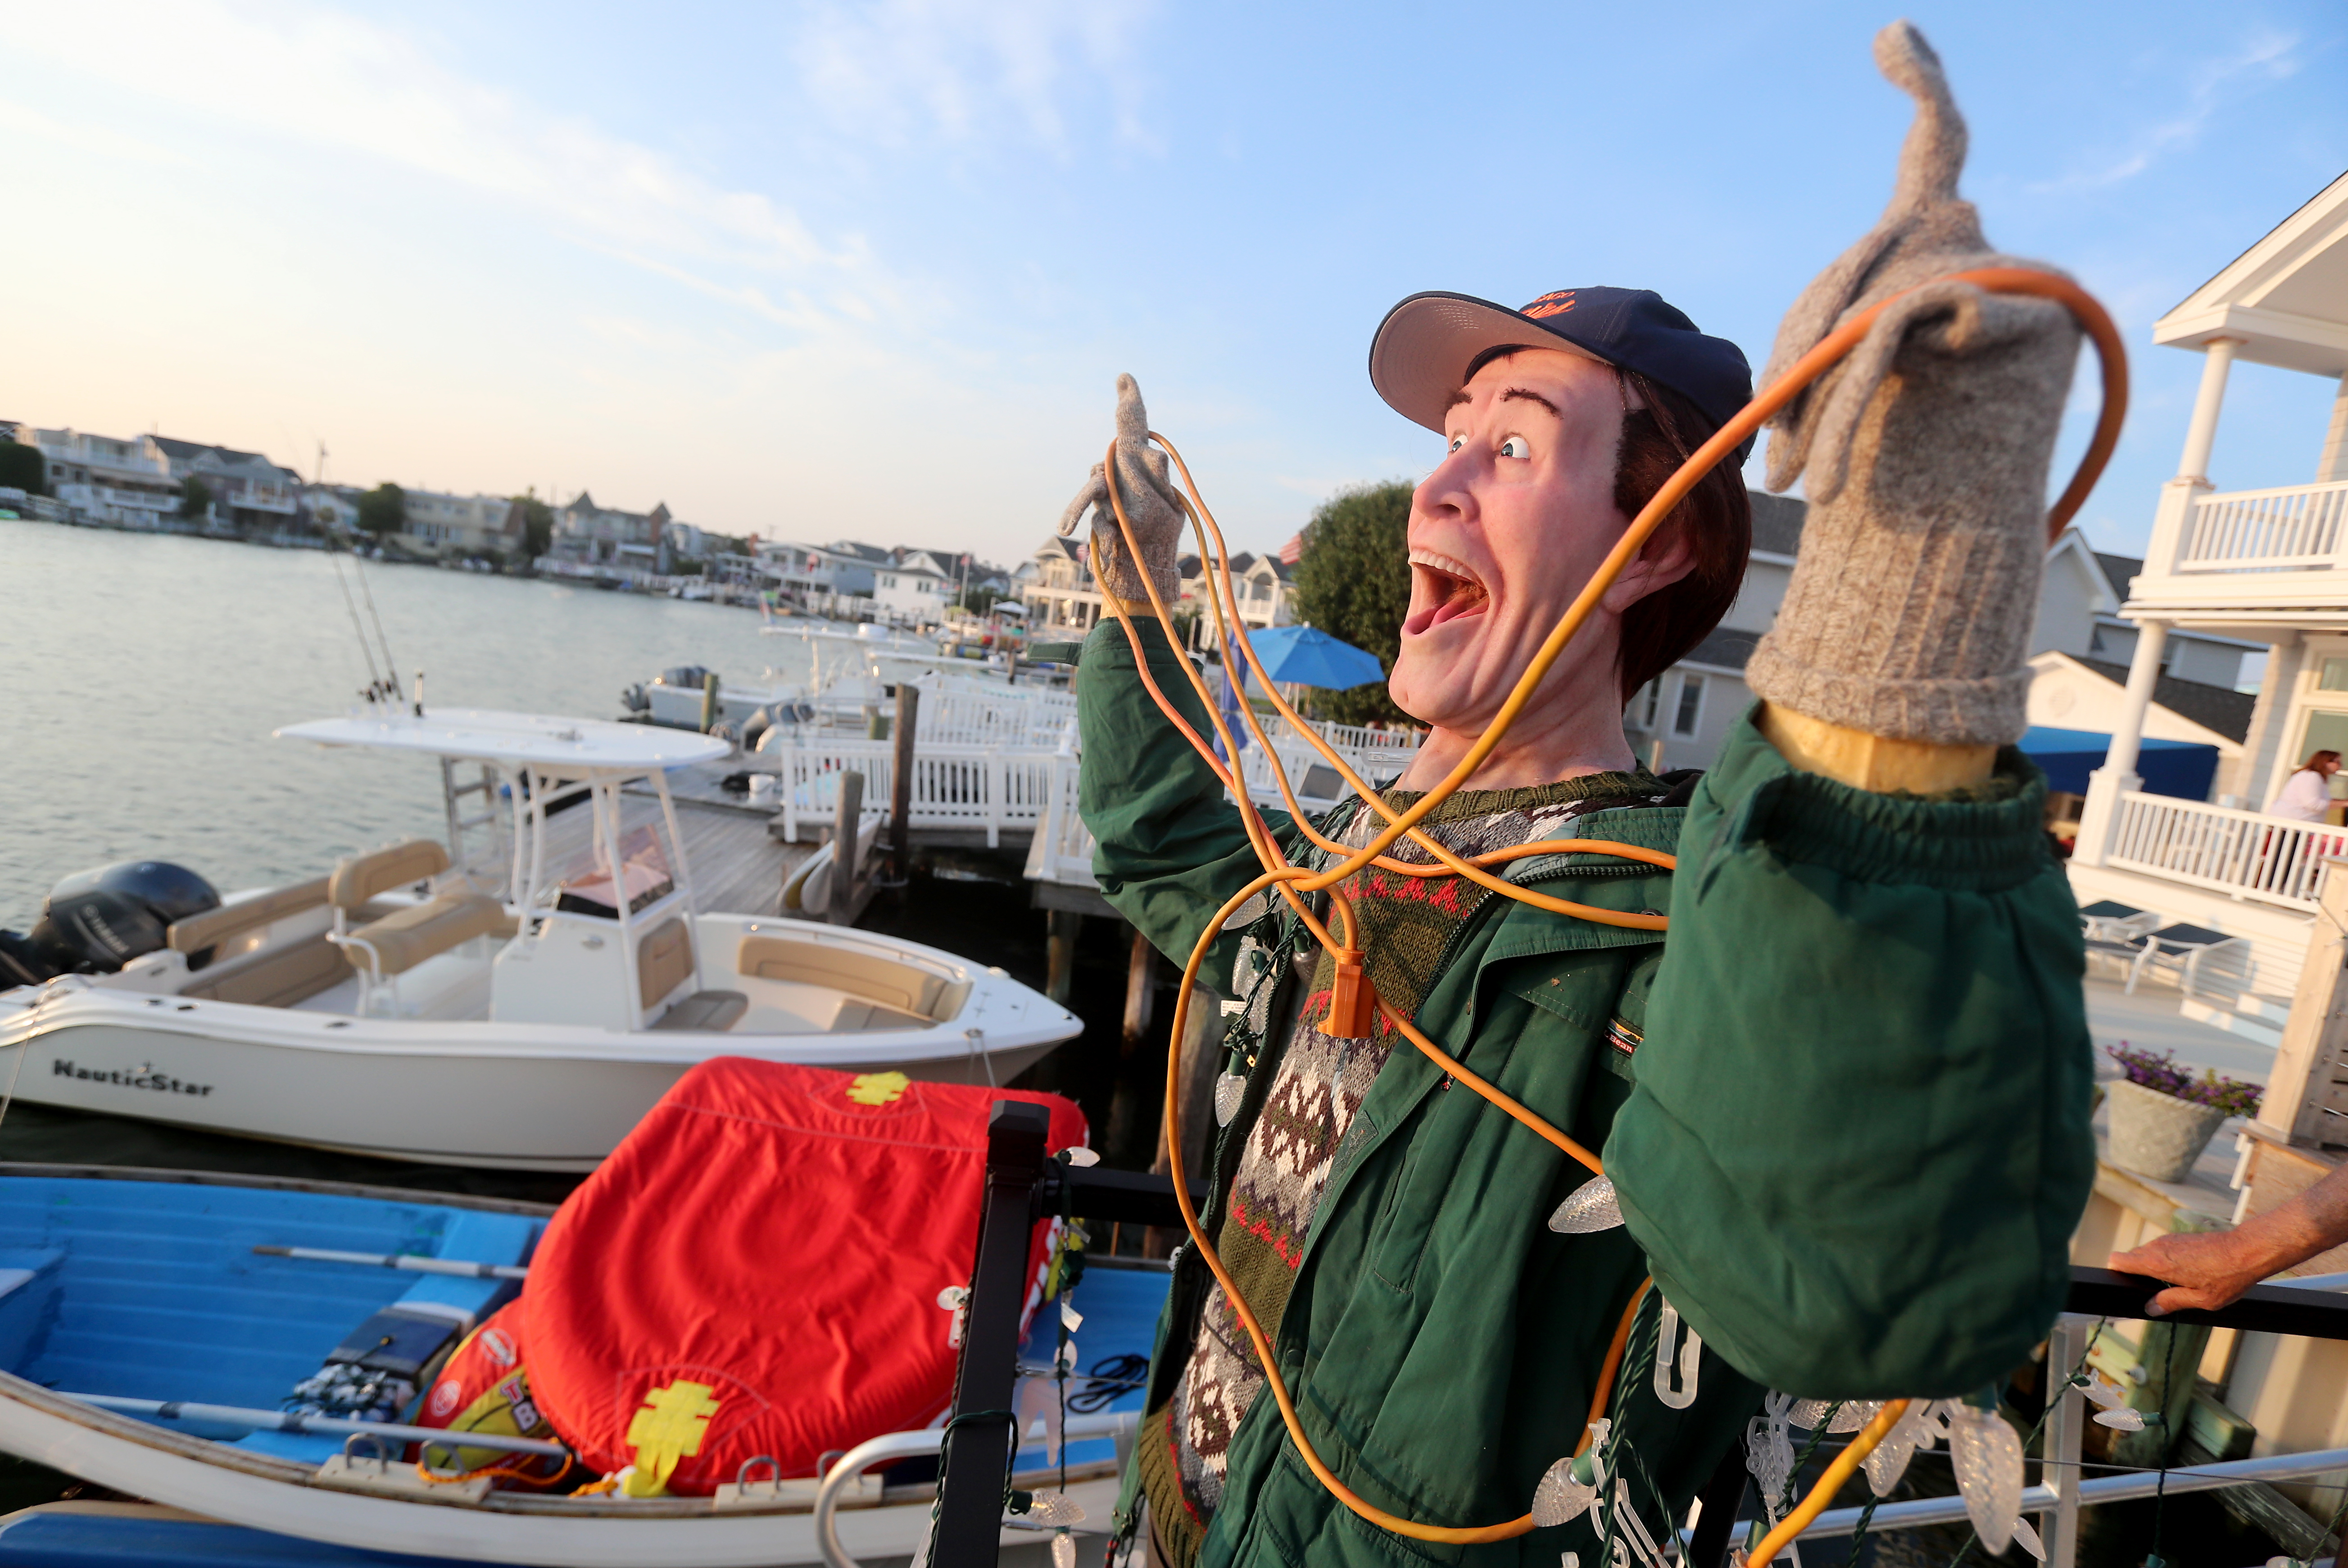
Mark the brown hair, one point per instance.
(2315, 757)
(1715, 518)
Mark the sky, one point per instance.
(820, 271)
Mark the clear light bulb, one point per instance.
(1986, 1454)
(1592, 1206)
(2120, 1419)
(1889, 1462)
(1228, 1088)
(1063, 1550)
(1055, 1508)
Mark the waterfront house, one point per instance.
(106, 479)
(914, 585)
(461, 527)
(248, 492)
(593, 535)
(2268, 564)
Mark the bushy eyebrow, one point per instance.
(1520, 394)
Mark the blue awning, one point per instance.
(2180, 768)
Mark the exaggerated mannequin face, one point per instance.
(1503, 534)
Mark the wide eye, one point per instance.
(1515, 446)
(1457, 443)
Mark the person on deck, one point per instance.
(2306, 796)
(1843, 1105)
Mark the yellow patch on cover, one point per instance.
(877, 1087)
(670, 1426)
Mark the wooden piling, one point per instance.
(1061, 928)
(845, 833)
(901, 784)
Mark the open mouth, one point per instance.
(1443, 589)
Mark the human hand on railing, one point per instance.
(1152, 505)
(2205, 1270)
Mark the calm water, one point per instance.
(144, 674)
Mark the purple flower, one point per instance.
(2161, 1073)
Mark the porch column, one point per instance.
(2100, 813)
(2202, 434)
(2334, 463)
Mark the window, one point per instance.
(1655, 703)
(1691, 708)
(2334, 676)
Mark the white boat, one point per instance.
(521, 1006)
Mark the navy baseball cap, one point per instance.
(1424, 347)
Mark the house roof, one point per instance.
(186, 451)
(2216, 708)
(2284, 301)
(2118, 570)
(1777, 522)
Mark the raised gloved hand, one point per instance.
(1911, 603)
(1152, 505)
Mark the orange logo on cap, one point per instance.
(1555, 304)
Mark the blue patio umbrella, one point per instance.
(1306, 656)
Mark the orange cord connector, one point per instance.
(1352, 1012)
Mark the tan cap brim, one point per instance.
(1423, 349)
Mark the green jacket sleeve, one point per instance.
(1172, 849)
(1858, 1143)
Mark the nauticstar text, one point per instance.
(142, 1078)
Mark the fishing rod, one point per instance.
(1353, 1001)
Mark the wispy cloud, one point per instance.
(326, 78)
(962, 69)
(2265, 56)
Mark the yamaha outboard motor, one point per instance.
(97, 921)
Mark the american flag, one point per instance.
(1293, 550)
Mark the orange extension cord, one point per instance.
(1353, 1001)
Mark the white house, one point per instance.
(108, 479)
(462, 527)
(914, 585)
(2269, 566)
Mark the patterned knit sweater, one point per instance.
(1318, 1086)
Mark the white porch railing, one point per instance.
(2298, 527)
(2241, 852)
(1061, 849)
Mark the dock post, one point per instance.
(846, 830)
(1060, 929)
(979, 1439)
(708, 702)
(900, 783)
(1134, 1079)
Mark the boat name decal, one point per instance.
(143, 1077)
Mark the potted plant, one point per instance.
(2162, 1117)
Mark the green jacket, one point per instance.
(1852, 1143)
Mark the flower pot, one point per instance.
(2158, 1136)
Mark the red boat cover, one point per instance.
(756, 1270)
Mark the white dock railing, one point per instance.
(988, 788)
(2298, 527)
(1061, 849)
(2242, 853)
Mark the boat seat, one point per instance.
(663, 963)
(362, 877)
(406, 938)
(215, 926)
(915, 995)
(704, 1012)
(281, 979)
(855, 1017)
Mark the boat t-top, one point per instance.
(517, 997)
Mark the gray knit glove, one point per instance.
(1911, 606)
(1152, 505)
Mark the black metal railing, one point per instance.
(1024, 1185)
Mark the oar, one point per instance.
(284, 1421)
(415, 1263)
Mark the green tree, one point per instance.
(537, 524)
(979, 599)
(383, 511)
(195, 496)
(21, 468)
(1353, 583)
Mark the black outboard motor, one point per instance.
(95, 922)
